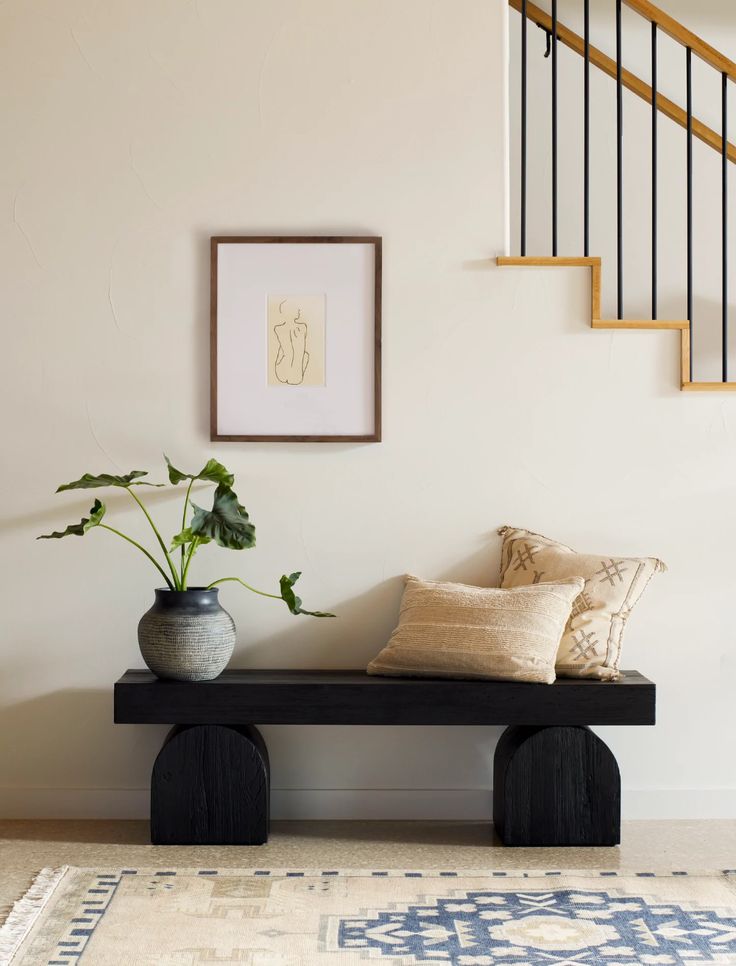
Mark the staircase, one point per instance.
(659, 23)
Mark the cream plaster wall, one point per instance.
(131, 132)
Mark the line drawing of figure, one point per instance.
(292, 357)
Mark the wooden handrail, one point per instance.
(630, 81)
(674, 29)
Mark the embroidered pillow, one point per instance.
(591, 644)
(456, 631)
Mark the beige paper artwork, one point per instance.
(296, 340)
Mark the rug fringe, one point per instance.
(26, 911)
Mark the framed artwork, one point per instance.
(295, 339)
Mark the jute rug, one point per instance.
(262, 917)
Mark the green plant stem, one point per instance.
(153, 560)
(185, 567)
(184, 526)
(262, 593)
(172, 568)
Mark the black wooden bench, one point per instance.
(554, 781)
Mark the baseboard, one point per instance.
(357, 803)
(298, 803)
(678, 803)
(102, 803)
(383, 803)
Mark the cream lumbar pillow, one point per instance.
(591, 644)
(457, 631)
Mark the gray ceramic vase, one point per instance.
(186, 635)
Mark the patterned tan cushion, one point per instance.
(591, 644)
(456, 631)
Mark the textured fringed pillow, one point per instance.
(457, 631)
(591, 644)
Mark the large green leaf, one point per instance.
(79, 529)
(90, 482)
(293, 602)
(186, 536)
(227, 523)
(211, 472)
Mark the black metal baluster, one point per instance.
(689, 71)
(619, 169)
(586, 131)
(523, 127)
(554, 127)
(654, 170)
(724, 226)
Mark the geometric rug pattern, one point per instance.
(539, 928)
(263, 917)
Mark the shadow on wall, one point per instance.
(57, 740)
(706, 347)
(63, 508)
(363, 623)
(348, 641)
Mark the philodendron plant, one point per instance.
(226, 524)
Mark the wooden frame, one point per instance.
(376, 242)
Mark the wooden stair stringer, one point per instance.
(596, 322)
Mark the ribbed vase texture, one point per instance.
(186, 635)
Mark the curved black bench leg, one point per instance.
(210, 786)
(555, 786)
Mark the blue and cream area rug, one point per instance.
(263, 917)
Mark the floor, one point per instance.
(27, 846)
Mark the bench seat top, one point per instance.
(345, 697)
